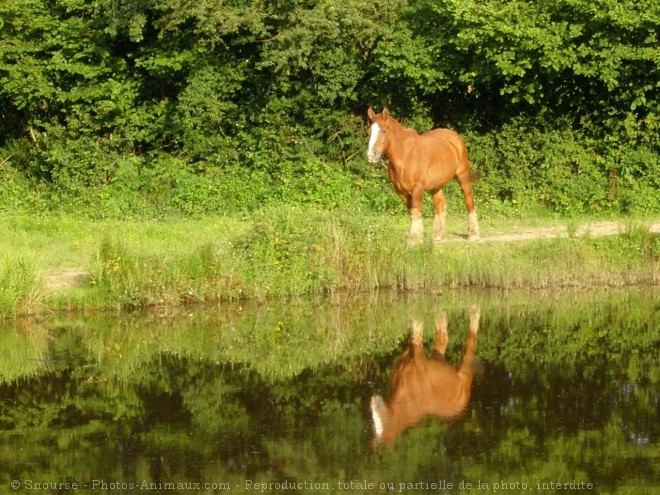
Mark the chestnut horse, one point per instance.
(419, 163)
(425, 386)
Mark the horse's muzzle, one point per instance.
(374, 156)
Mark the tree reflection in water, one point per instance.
(271, 393)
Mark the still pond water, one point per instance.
(276, 398)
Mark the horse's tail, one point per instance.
(475, 175)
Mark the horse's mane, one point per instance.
(408, 130)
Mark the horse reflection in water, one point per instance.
(425, 386)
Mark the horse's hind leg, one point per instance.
(466, 370)
(441, 336)
(468, 197)
(440, 208)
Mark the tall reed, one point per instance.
(294, 251)
(20, 290)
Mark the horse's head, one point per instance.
(377, 134)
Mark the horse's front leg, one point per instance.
(417, 346)
(416, 234)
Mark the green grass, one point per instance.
(20, 287)
(292, 251)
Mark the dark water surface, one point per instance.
(275, 398)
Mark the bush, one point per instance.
(563, 169)
(149, 107)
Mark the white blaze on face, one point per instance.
(376, 406)
(375, 131)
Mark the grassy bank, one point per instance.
(290, 251)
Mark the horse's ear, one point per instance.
(385, 113)
(371, 114)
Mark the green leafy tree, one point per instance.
(118, 107)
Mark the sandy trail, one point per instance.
(591, 229)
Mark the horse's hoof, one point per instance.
(474, 312)
(441, 322)
(473, 237)
(475, 315)
(417, 336)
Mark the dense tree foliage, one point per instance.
(137, 106)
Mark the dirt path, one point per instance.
(597, 229)
(62, 278)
